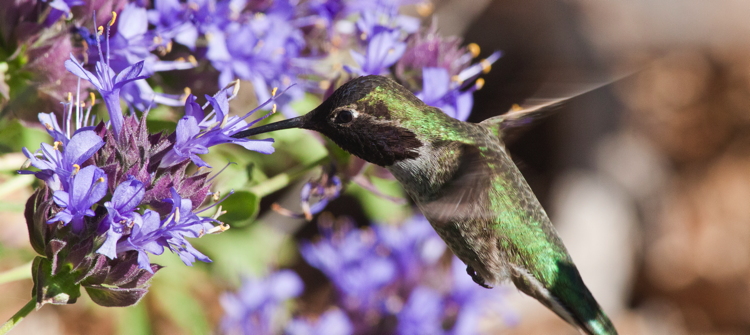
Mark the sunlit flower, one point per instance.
(87, 187)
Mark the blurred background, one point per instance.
(647, 179)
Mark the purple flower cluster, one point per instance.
(257, 307)
(388, 279)
(151, 203)
(398, 272)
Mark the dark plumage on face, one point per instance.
(362, 126)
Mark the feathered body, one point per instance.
(466, 185)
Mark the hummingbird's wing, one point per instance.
(548, 99)
(491, 220)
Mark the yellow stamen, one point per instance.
(185, 94)
(363, 36)
(158, 39)
(486, 65)
(177, 215)
(223, 121)
(193, 6)
(180, 59)
(114, 17)
(480, 83)
(273, 91)
(222, 227)
(56, 145)
(273, 109)
(336, 41)
(92, 96)
(85, 52)
(236, 89)
(258, 45)
(456, 78)
(168, 47)
(192, 60)
(425, 9)
(76, 168)
(101, 179)
(216, 196)
(516, 108)
(100, 30)
(474, 49)
(70, 97)
(48, 126)
(218, 213)
(83, 104)
(324, 85)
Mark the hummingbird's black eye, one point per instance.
(343, 117)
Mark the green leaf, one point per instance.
(378, 208)
(155, 126)
(115, 296)
(59, 289)
(14, 136)
(241, 207)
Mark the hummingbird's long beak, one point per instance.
(297, 122)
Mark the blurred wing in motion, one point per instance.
(548, 99)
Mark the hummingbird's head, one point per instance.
(365, 117)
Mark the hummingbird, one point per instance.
(463, 180)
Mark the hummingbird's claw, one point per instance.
(476, 278)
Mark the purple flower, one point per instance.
(195, 132)
(146, 237)
(121, 214)
(321, 190)
(153, 235)
(264, 51)
(429, 49)
(49, 121)
(109, 84)
(60, 8)
(350, 259)
(413, 245)
(452, 94)
(185, 21)
(383, 50)
(327, 188)
(58, 168)
(87, 187)
(173, 21)
(470, 302)
(253, 309)
(422, 313)
(437, 92)
(332, 322)
(132, 43)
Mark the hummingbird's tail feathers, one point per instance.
(567, 297)
(599, 326)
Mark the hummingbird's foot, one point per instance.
(476, 278)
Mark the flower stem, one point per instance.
(16, 318)
(17, 273)
(281, 180)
